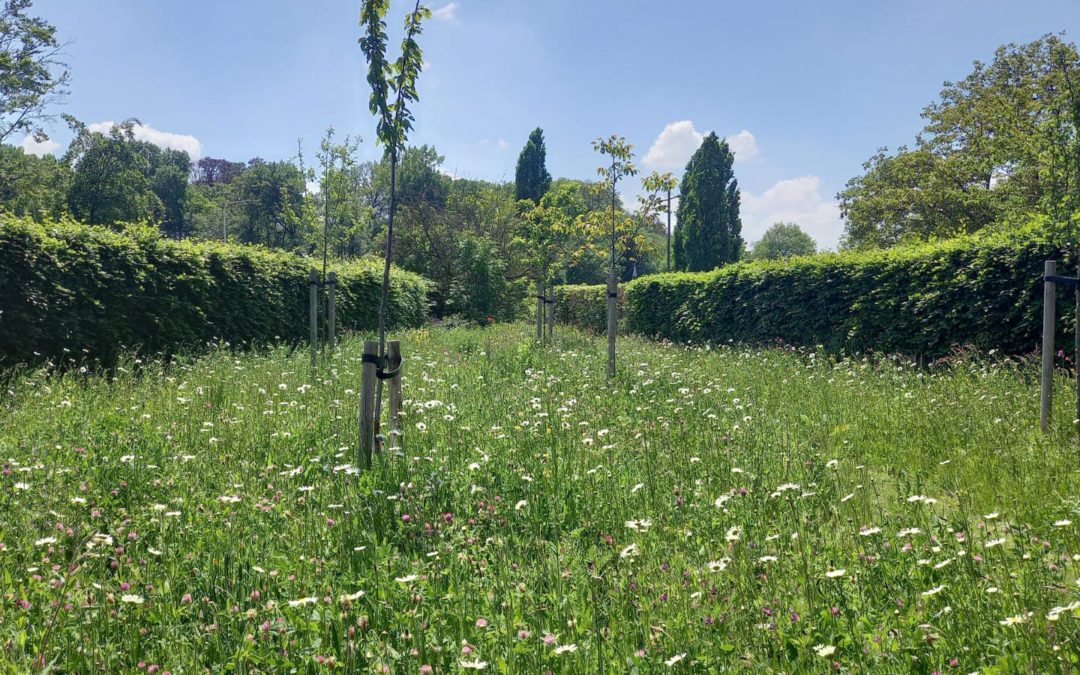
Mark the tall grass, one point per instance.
(710, 509)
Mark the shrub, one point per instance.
(74, 291)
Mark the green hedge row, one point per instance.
(72, 291)
(981, 290)
(586, 306)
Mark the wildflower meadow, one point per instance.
(708, 510)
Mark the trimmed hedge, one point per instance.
(586, 306)
(982, 290)
(74, 291)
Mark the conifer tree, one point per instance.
(532, 179)
(708, 234)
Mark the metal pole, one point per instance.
(1049, 307)
(669, 230)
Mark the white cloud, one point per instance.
(163, 139)
(744, 145)
(447, 12)
(797, 200)
(673, 147)
(32, 147)
(678, 141)
(503, 144)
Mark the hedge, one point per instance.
(981, 290)
(586, 306)
(74, 291)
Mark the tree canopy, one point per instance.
(783, 240)
(708, 232)
(1002, 142)
(531, 179)
(32, 76)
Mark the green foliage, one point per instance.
(32, 77)
(622, 165)
(32, 186)
(1002, 142)
(723, 510)
(394, 118)
(70, 291)
(783, 240)
(707, 234)
(531, 178)
(981, 290)
(586, 306)
(118, 179)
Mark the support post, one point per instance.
(393, 355)
(539, 310)
(313, 311)
(367, 401)
(331, 290)
(1049, 307)
(1076, 346)
(551, 313)
(612, 294)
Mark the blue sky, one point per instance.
(804, 91)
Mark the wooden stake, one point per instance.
(539, 310)
(330, 310)
(551, 313)
(612, 294)
(393, 355)
(367, 401)
(1049, 308)
(313, 307)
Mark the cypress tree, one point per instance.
(532, 179)
(708, 234)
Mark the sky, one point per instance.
(804, 92)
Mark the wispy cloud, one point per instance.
(163, 139)
(447, 12)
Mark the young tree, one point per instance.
(32, 77)
(783, 240)
(654, 184)
(395, 120)
(708, 232)
(621, 165)
(531, 178)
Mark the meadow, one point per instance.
(711, 509)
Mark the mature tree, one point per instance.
(531, 179)
(32, 77)
(708, 233)
(783, 240)
(212, 171)
(1001, 142)
(272, 194)
(118, 179)
(32, 186)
